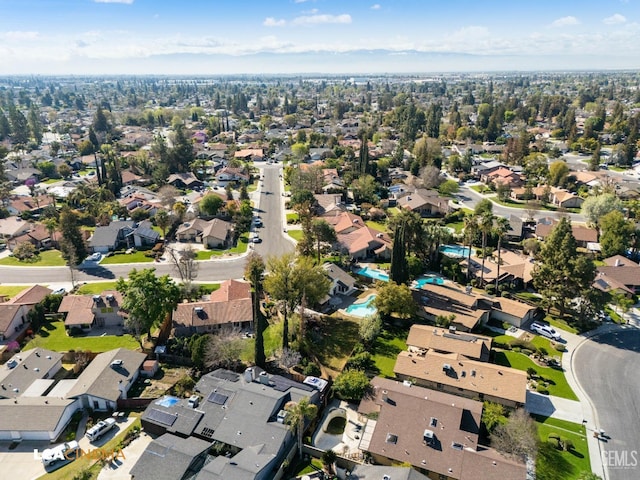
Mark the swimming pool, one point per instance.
(455, 250)
(362, 309)
(373, 273)
(167, 401)
(421, 282)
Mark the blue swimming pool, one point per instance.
(455, 250)
(373, 273)
(362, 309)
(167, 401)
(421, 282)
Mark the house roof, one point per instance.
(102, 380)
(378, 472)
(12, 226)
(442, 340)
(31, 365)
(168, 456)
(488, 379)
(199, 314)
(187, 178)
(364, 238)
(619, 261)
(7, 313)
(108, 235)
(580, 233)
(446, 300)
(409, 411)
(32, 414)
(217, 228)
(31, 295)
(335, 273)
(245, 465)
(197, 225)
(78, 309)
(231, 290)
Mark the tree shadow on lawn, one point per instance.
(339, 336)
(551, 464)
(386, 344)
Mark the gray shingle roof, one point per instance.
(31, 365)
(33, 414)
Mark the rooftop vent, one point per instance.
(379, 235)
(446, 367)
(110, 298)
(392, 438)
(198, 309)
(433, 422)
(473, 373)
(457, 446)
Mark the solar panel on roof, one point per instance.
(282, 384)
(226, 375)
(159, 416)
(217, 398)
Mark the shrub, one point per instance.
(554, 439)
(312, 370)
(351, 385)
(490, 289)
(560, 347)
(516, 349)
(567, 445)
(504, 346)
(531, 372)
(516, 342)
(541, 389)
(361, 361)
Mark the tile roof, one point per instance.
(231, 290)
(442, 340)
(489, 379)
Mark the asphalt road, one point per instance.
(607, 368)
(274, 242)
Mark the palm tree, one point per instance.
(470, 232)
(163, 221)
(485, 224)
(500, 228)
(298, 413)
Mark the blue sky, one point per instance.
(321, 36)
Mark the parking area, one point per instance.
(20, 463)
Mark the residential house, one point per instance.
(244, 413)
(378, 472)
(426, 202)
(436, 433)
(329, 203)
(137, 201)
(14, 319)
(469, 309)
(365, 242)
(423, 338)
(214, 233)
(184, 181)
(24, 368)
(341, 282)
(143, 235)
(170, 456)
(22, 175)
(250, 154)
(109, 238)
(33, 205)
(232, 174)
(92, 311)
(38, 236)
(107, 378)
(130, 178)
(565, 199)
(582, 234)
(456, 374)
(502, 176)
(230, 306)
(516, 229)
(619, 274)
(12, 227)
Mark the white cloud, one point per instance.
(127, 2)
(20, 36)
(300, 1)
(375, 6)
(615, 19)
(321, 19)
(272, 22)
(565, 21)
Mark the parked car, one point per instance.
(256, 240)
(59, 291)
(100, 428)
(545, 330)
(95, 257)
(65, 451)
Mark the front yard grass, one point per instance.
(48, 258)
(557, 383)
(292, 218)
(554, 464)
(54, 337)
(138, 256)
(297, 235)
(241, 247)
(96, 288)
(12, 290)
(391, 341)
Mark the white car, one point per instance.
(100, 428)
(545, 331)
(95, 257)
(65, 451)
(59, 291)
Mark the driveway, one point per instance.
(606, 367)
(555, 407)
(20, 463)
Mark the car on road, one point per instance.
(65, 451)
(545, 330)
(257, 222)
(95, 257)
(256, 240)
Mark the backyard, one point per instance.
(555, 464)
(391, 341)
(54, 337)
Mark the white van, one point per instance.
(63, 452)
(100, 428)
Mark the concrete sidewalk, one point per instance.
(586, 410)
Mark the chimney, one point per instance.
(617, 262)
(264, 378)
(248, 375)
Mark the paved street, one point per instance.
(606, 368)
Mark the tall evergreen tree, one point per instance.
(72, 245)
(399, 266)
(254, 269)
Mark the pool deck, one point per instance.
(347, 443)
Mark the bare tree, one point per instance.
(517, 437)
(224, 349)
(184, 261)
(168, 194)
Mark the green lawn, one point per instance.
(554, 464)
(48, 258)
(537, 340)
(54, 337)
(12, 290)
(293, 217)
(557, 383)
(386, 348)
(134, 257)
(457, 226)
(96, 288)
(480, 188)
(381, 227)
(560, 323)
(297, 235)
(240, 247)
(334, 342)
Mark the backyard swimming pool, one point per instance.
(373, 273)
(422, 281)
(362, 309)
(167, 401)
(455, 250)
